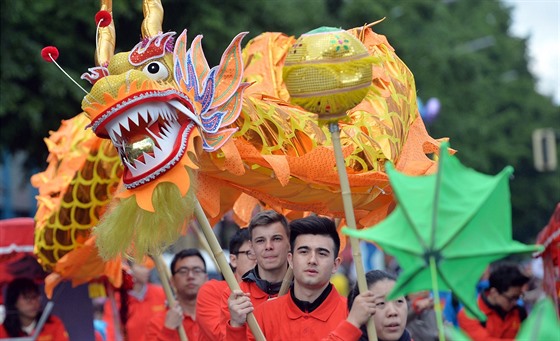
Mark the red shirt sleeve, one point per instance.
(156, 330)
(209, 311)
(345, 331)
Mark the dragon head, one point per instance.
(152, 102)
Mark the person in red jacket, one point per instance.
(242, 258)
(313, 309)
(144, 301)
(23, 311)
(270, 238)
(188, 274)
(499, 304)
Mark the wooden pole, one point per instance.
(164, 276)
(204, 244)
(350, 218)
(224, 265)
(286, 282)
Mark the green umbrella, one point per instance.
(542, 323)
(453, 333)
(446, 229)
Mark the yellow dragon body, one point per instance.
(226, 136)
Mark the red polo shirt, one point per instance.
(281, 319)
(156, 330)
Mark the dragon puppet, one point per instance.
(165, 129)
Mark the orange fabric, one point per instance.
(496, 327)
(156, 331)
(82, 265)
(281, 319)
(140, 312)
(53, 330)
(208, 310)
(74, 190)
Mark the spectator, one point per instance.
(389, 316)
(23, 311)
(270, 235)
(500, 305)
(188, 274)
(144, 300)
(313, 309)
(242, 258)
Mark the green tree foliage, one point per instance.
(459, 51)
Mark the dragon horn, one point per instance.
(153, 18)
(106, 37)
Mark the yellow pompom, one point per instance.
(328, 71)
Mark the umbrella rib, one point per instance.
(436, 202)
(481, 203)
(415, 230)
(410, 278)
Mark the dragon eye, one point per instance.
(156, 71)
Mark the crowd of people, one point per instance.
(261, 256)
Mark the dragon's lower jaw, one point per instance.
(151, 139)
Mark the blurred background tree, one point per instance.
(460, 52)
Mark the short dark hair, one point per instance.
(506, 275)
(184, 254)
(314, 225)
(372, 277)
(266, 218)
(240, 237)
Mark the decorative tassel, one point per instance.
(128, 227)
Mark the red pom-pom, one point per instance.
(103, 18)
(49, 53)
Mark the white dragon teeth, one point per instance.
(164, 140)
(183, 109)
(129, 165)
(145, 115)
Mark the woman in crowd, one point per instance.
(390, 316)
(23, 310)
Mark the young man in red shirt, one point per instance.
(313, 310)
(270, 238)
(499, 304)
(242, 258)
(188, 273)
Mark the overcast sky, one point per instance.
(540, 21)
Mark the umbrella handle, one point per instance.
(350, 218)
(286, 282)
(224, 265)
(437, 305)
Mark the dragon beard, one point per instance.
(141, 231)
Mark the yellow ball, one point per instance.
(328, 71)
